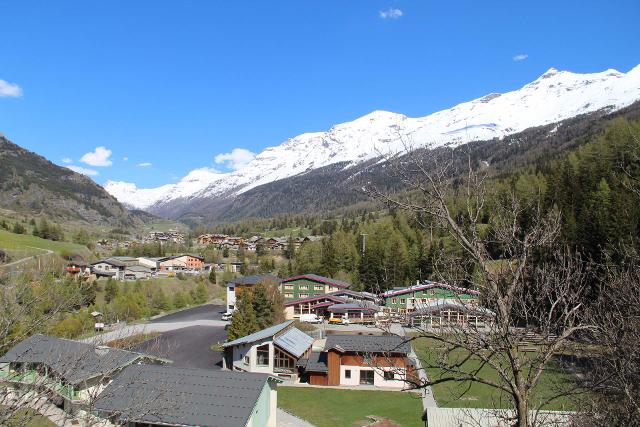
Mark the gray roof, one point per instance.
(71, 360)
(138, 268)
(182, 396)
(368, 343)
(294, 341)
(111, 261)
(438, 305)
(317, 362)
(255, 279)
(260, 335)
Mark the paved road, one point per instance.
(197, 316)
(188, 347)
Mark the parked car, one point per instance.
(338, 321)
(310, 318)
(227, 316)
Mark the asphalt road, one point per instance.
(203, 312)
(188, 347)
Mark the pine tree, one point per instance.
(262, 306)
(244, 318)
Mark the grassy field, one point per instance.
(28, 418)
(26, 243)
(476, 395)
(326, 407)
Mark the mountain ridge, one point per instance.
(553, 97)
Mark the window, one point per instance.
(231, 288)
(366, 377)
(318, 288)
(432, 292)
(231, 306)
(388, 375)
(401, 300)
(304, 295)
(347, 374)
(424, 300)
(245, 359)
(288, 286)
(282, 361)
(262, 354)
(413, 300)
(288, 295)
(305, 287)
(394, 300)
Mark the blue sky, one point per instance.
(173, 84)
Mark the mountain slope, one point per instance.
(554, 97)
(31, 184)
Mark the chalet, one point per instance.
(406, 300)
(186, 262)
(311, 305)
(146, 395)
(237, 285)
(355, 360)
(78, 268)
(353, 312)
(274, 350)
(109, 267)
(73, 373)
(309, 285)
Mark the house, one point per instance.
(311, 305)
(136, 272)
(170, 396)
(235, 286)
(309, 285)
(435, 314)
(405, 300)
(73, 373)
(109, 267)
(353, 312)
(151, 263)
(186, 262)
(274, 350)
(355, 360)
(78, 268)
(126, 260)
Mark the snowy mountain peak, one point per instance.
(553, 97)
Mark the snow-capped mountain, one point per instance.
(553, 97)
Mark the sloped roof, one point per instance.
(343, 308)
(260, 335)
(182, 396)
(355, 294)
(110, 261)
(315, 298)
(255, 279)
(367, 343)
(72, 360)
(317, 362)
(428, 285)
(294, 341)
(434, 306)
(320, 279)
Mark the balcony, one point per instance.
(37, 380)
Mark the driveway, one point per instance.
(195, 314)
(187, 347)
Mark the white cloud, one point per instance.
(67, 160)
(98, 157)
(125, 159)
(390, 13)
(236, 159)
(9, 89)
(83, 171)
(521, 57)
(144, 164)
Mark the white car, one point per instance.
(310, 318)
(227, 316)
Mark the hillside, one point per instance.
(554, 97)
(32, 185)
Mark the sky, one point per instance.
(145, 91)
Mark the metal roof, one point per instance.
(182, 396)
(428, 285)
(110, 261)
(343, 308)
(438, 305)
(294, 341)
(260, 335)
(71, 360)
(255, 279)
(319, 279)
(315, 298)
(368, 343)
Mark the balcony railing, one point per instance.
(36, 379)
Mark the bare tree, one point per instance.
(533, 288)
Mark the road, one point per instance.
(32, 257)
(206, 315)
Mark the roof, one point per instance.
(72, 360)
(110, 261)
(260, 335)
(317, 362)
(182, 396)
(294, 341)
(433, 306)
(428, 285)
(124, 258)
(319, 279)
(315, 298)
(255, 279)
(138, 268)
(355, 294)
(368, 343)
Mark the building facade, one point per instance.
(310, 285)
(406, 300)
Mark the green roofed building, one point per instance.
(412, 298)
(310, 285)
